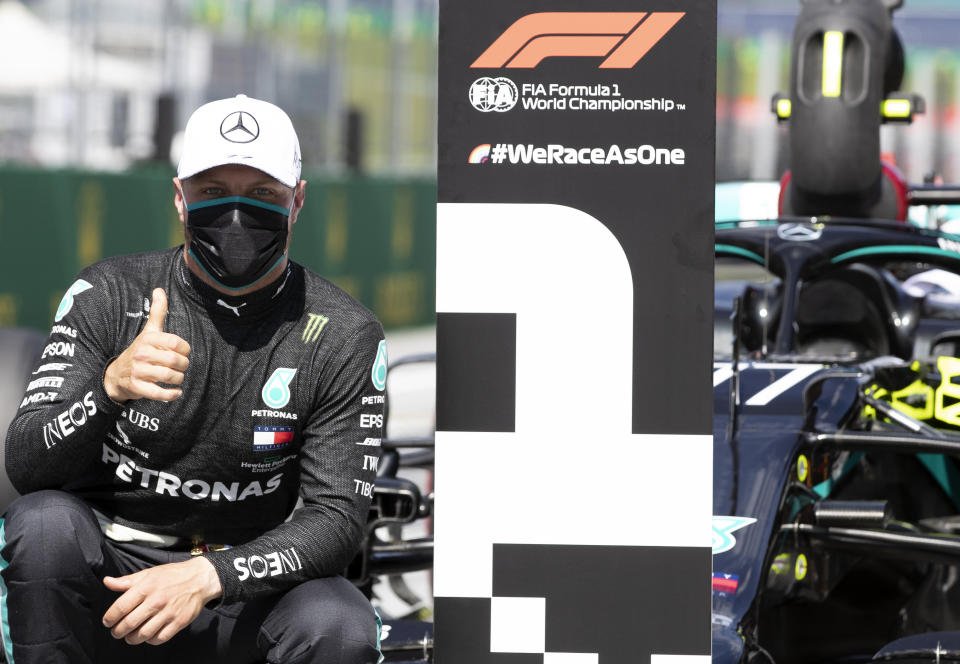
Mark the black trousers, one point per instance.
(54, 558)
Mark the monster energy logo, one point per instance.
(314, 326)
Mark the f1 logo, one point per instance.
(623, 37)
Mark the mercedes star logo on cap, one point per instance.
(239, 127)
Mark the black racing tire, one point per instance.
(20, 348)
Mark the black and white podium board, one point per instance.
(574, 331)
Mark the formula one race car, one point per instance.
(837, 419)
(837, 380)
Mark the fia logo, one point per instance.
(494, 94)
(276, 391)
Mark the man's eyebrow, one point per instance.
(205, 180)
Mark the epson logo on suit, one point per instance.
(371, 420)
(59, 349)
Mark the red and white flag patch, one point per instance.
(271, 438)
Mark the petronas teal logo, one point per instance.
(66, 303)
(276, 391)
(379, 372)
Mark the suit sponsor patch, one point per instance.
(271, 437)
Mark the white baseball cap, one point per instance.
(245, 131)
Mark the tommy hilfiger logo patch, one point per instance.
(266, 438)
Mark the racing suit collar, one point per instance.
(247, 306)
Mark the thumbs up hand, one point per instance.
(154, 357)
(158, 311)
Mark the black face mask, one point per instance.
(237, 240)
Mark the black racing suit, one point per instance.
(284, 394)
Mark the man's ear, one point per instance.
(299, 195)
(178, 201)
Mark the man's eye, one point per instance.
(262, 192)
(211, 191)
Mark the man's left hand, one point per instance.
(160, 601)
